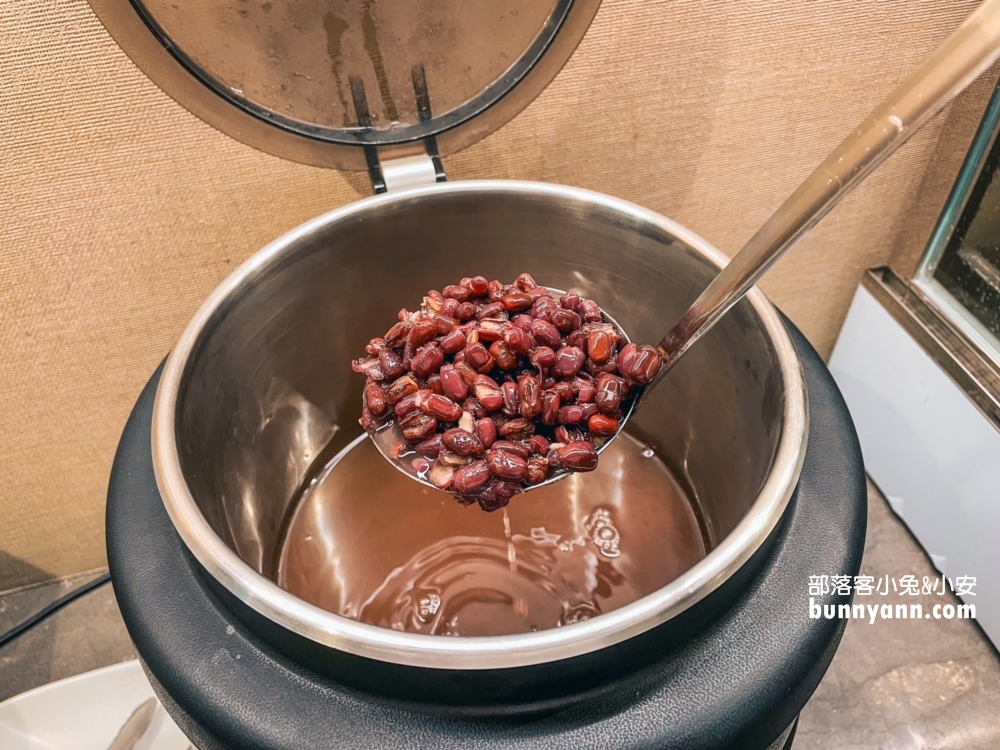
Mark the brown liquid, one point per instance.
(368, 543)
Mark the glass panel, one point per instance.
(961, 268)
(313, 65)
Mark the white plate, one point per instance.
(85, 713)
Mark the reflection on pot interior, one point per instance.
(369, 543)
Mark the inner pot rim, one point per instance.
(481, 652)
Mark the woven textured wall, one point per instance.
(120, 211)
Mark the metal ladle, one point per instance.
(966, 54)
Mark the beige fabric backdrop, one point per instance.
(119, 211)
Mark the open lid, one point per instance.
(340, 82)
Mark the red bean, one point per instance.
(579, 456)
(418, 426)
(397, 334)
(546, 334)
(502, 355)
(506, 465)
(375, 346)
(487, 393)
(517, 429)
(645, 365)
(601, 342)
(518, 341)
(477, 356)
(565, 320)
(543, 356)
(461, 442)
(400, 389)
(568, 362)
(375, 399)
(486, 431)
(431, 447)
(589, 410)
(406, 406)
(550, 407)
(369, 422)
(434, 300)
(571, 301)
(609, 393)
(369, 367)
(585, 391)
(625, 357)
(445, 325)
(529, 395)
(467, 373)
(427, 359)
(391, 363)
(537, 470)
(509, 446)
(457, 292)
(434, 383)
(478, 285)
(453, 385)
(450, 308)
(466, 311)
(453, 342)
(524, 282)
(493, 310)
(577, 339)
(443, 408)
(474, 408)
(422, 332)
(589, 310)
(494, 291)
(523, 322)
(570, 415)
(602, 425)
(510, 402)
(471, 477)
(516, 302)
(538, 444)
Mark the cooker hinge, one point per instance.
(397, 168)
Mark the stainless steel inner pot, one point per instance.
(260, 382)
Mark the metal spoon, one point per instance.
(966, 54)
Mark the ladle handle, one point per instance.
(968, 52)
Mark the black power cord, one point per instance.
(47, 610)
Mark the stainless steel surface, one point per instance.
(260, 382)
(976, 374)
(966, 54)
(135, 727)
(284, 77)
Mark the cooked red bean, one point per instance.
(517, 429)
(478, 285)
(537, 471)
(461, 442)
(487, 392)
(457, 292)
(453, 385)
(550, 407)
(518, 449)
(589, 310)
(579, 456)
(546, 334)
(570, 301)
(645, 365)
(529, 395)
(506, 465)
(525, 282)
(375, 399)
(443, 408)
(561, 370)
(601, 342)
(431, 447)
(486, 430)
(602, 425)
(471, 477)
(477, 356)
(427, 359)
(569, 361)
(543, 356)
(418, 426)
(570, 415)
(565, 320)
(510, 402)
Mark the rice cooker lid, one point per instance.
(341, 83)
